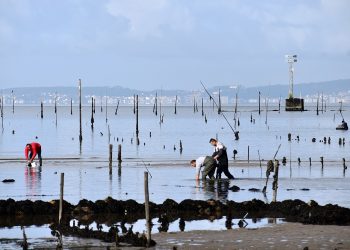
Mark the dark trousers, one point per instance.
(39, 156)
(209, 167)
(223, 167)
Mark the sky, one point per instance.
(172, 44)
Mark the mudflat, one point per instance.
(282, 236)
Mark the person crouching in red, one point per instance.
(33, 149)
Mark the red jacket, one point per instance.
(35, 148)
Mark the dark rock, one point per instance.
(8, 180)
(234, 188)
(254, 190)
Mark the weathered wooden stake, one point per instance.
(80, 117)
(248, 153)
(344, 165)
(181, 147)
(106, 110)
(318, 97)
(134, 102)
(219, 109)
(259, 103)
(321, 161)
(202, 107)
(275, 181)
(310, 161)
(41, 110)
(148, 220)
(13, 103)
(92, 113)
(279, 105)
(61, 199)
(156, 103)
(71, 106)
(137, 120)
(110, 158)
(175, 111)
(119, 153)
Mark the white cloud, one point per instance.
(151, 17)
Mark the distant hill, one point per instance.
(33, 95)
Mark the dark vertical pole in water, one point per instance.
(71, 106)
(137, 120)
(236, 103)
(318, 97)
(61, 198)
(259, 103)
(134, 100)
(92, 113)
(181, 148)
(101, 104)
(322, 102)
(110, 158)
(194, 104)
(202, 107)
(13, 103)
(219, 109)
(248, 153)
(106, 109)
(2, 112)
(175, 111)
(94, 105)
(80, 118)
(148, 219)
(56, 107)
(156, 103)
(119, 153)
(41, 110)
(279, 105)
(275, 181)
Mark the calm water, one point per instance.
(190, 128)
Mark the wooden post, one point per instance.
(13, 103)
(109, 134)
(92, 113)
(279, 105)
(275, 181)
(56, 108)
(106, 110)
(61, 199)
(134, 100)
(219, 109)
(137, 120)
(119, 153)
(175, 105)
(194, 104)
(318, 97)
(80, 117)
(181, 147)
(248, 153)
(202, 107)
(2, 112)
(71, 106)
(148, 219)
(41, 110)
(259, 103)
(110, 158)
(321, 161)
(156, 103)
(344, 164)
(310, 161)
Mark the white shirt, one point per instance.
(219, 146)
(199, 164)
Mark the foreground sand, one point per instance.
(282, 236)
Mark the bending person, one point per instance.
(207, 163)
(31, 151)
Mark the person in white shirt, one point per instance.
(205, 165)
(220, 155)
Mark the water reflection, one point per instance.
(32, 178)
(214, 189)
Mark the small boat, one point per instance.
(342, 126)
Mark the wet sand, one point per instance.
(282, 236)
